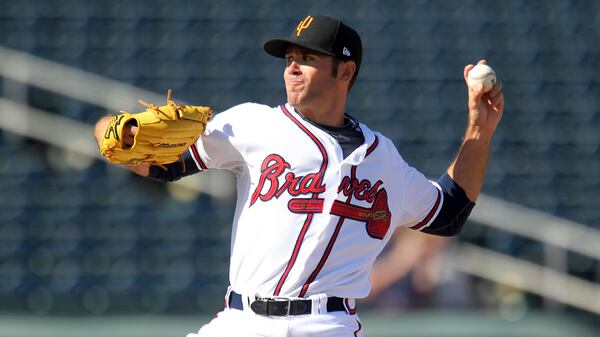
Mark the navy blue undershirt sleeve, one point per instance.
(174, 171)
(455, 210)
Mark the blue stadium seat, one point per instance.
(111, 34)
(17, 34)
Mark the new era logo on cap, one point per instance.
(346, 51)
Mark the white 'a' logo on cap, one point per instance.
(346, 51)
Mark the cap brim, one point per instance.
(278, 47)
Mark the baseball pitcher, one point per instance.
(319, 193)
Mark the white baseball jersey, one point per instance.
(307, 220)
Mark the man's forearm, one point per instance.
(468, 169)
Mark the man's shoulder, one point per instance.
(374, 134)
(378, 141)
(244, 112)
(252, 107)
(246, 118)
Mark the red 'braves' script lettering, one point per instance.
(271, 170)
(362, 190)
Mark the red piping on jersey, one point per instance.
(349, 310)
(338, 227)
(373, 146)
(336, 231)
(313, 137)
(315, 272)
(431, 213)
(359, 328)
(197, 156)
(309, 217)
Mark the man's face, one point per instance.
(308, 77)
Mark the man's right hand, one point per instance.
(129, 132)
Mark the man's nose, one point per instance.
(294, 68)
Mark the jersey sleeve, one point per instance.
(423, 199)
(221, 146)
(417, 201)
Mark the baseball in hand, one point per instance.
(482, 74)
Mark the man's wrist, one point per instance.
(476, 132)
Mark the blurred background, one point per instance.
(89, 248)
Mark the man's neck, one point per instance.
(332, 115)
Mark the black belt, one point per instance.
(283, 306)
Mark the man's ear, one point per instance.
(347, 70)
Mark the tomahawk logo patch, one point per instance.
(377, 218)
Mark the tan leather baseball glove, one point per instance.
(164, 133)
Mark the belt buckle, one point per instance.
(282, 299)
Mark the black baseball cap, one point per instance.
(322, 34)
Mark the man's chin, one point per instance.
(294, 99)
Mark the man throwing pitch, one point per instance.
(319, 193)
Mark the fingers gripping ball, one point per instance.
(481, 75)
(164, 133)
